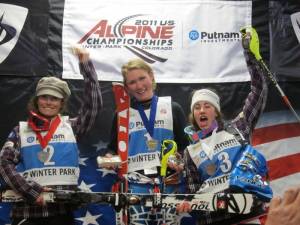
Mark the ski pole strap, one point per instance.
(169, 147)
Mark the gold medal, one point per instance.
(152, 145)
(211, 169)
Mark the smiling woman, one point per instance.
(41, 154)
(51, 97)
(152, 120)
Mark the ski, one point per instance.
(237, 203)
(122, 102)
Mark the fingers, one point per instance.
(175, 166)
(276, 201)
(290, 195)
(40, 200)
(183, 207)
(109, 161)
(47, 189)
(82, 53)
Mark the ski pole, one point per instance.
(275, 83)
(250, 40)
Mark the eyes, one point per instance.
(139, 79)
(49, 98)
(204, 105)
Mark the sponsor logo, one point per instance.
(55, 137)
(163, 111)
(202, 154)
(236, 203)
(158, 123)
(194, 35)
(225, 144)
(214, 37)
(30, 139)
(7, 32)
(143, 158)
(131, 125)
(50, 172)
(213, 182)
(10, 27)
(138, 33)
(296, 24)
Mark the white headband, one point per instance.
(206, 95)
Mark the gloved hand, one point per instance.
(250, 41)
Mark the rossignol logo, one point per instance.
(214, 37)
(296, 24)
(12, 19)
(135, 34)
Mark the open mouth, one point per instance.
(203, 118)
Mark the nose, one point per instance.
(202, 108)
(139, 84)
(48, 99)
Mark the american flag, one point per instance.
(277, 137)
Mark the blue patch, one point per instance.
(30, 139)
(194, 35)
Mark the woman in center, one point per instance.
(152, 120)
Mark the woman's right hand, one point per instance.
(82, 53)
(40, 200)
(112, 165)
(184, 207)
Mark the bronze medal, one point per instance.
(211, 169)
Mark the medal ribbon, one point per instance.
(149, 124)
(45, 140)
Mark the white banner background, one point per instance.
(185, 42)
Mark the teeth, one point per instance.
(141, 92)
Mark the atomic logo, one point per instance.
(137, 33)
(12, 19)
(296, 24)
(6, 32)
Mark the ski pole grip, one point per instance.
(169, 147)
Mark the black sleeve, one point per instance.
(179, 123)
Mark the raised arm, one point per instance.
(256, 99)
(92, 99)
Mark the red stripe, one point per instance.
(274, 133)
(284, 166)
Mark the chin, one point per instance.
(204, 127)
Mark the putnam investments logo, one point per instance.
(214, 37)
(136, 33)
(12, 19)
